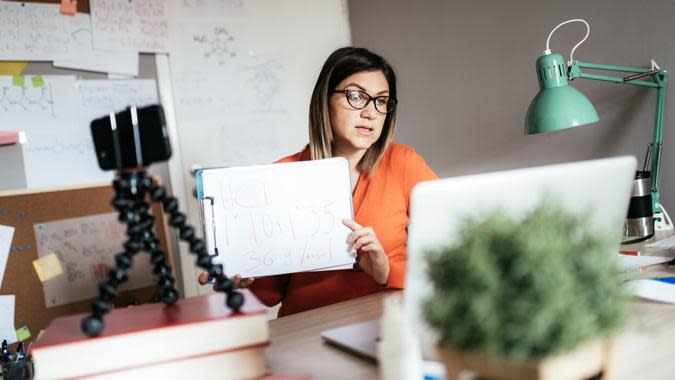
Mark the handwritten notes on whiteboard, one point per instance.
(85, 57)
(275, 219)
(100, 97)
(139, 25)
(55, 112)
(33, 32)
(86, 249)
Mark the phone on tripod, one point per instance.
(133, 138)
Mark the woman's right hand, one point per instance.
(238, 282)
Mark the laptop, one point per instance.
(599, 186)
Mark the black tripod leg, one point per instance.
(124, 203)
(186, 233)
(161, 269)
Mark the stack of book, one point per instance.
(197, 337)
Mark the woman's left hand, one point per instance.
(371, 256)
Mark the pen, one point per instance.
(21, 351)
(4, 353)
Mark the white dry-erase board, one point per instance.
(240, 75)
(282, 218)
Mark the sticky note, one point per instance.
(12, 67)
(47, 267)
(18, 80)
(69, 7)
(22, 333)
(38, 81)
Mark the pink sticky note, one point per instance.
(69, 7)
(8, 138)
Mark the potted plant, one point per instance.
(530, 298)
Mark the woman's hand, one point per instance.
(371, 256)
(237, 281)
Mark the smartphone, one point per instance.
(120, 144)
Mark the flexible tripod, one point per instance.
(131, 187)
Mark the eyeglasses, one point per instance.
(360, 100)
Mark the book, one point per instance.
(243, 363)
(149, 334)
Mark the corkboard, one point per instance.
(22, 210)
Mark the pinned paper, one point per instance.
(47, 267)
(23, 333)
(38, 81)
(7, 319)
(18, 81)
(6, 233)
(69, 7)
(12, 67)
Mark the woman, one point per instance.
(353, 115)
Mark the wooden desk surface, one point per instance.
(645, 350)
(297, 347)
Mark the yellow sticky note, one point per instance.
(38, 81)
(12, 67)
(23, 333)
(18, 80)
(47, 267)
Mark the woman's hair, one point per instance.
(339, 65)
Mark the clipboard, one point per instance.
(274, 219)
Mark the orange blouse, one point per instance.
(381, 202)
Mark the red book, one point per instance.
(144, 335)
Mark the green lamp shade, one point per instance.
(557, 105)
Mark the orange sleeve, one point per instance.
(416, 170)
(270, 290)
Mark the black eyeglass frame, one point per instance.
(370, 99)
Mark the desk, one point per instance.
(645, 350)
(297, 347)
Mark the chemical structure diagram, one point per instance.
(26, 98)
(217, 45)
(267, 83)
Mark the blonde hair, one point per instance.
(339, 65)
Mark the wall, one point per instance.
(467, 75)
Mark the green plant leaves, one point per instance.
(525, 288)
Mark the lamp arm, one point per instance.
(660, 80)
(659, 76)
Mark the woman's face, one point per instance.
(357, 129)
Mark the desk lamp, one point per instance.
(559, 106)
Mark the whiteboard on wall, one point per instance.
(241, 77)
(55, 111)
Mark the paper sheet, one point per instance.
(139, 25)
(85, 57)
(7, 330)
(652, 289)
(59, 150)
(664, 243)
(627, 262)
(56, 112)
(6, 233)
(33, 32)
(275, 219)
(86, 247)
